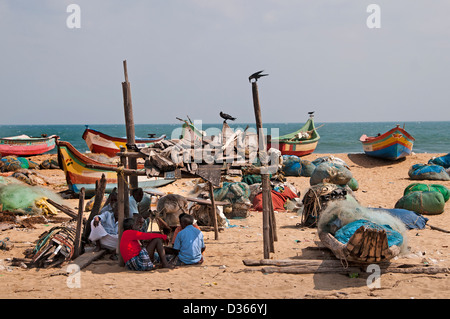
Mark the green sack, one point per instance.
(353, 184)
(427, 203)
(419, 187)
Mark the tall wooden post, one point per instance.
(129, 122)
(121, 209)
(214, 210)
(269, 233)
(77, 241)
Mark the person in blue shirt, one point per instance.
(136, 197)
(189, 244)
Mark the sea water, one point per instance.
(430, 137)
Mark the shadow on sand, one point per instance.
(366, 161)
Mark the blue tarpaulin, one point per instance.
(346, 232)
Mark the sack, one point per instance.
(333, 173)
(353, 184)
(307, 168)
(443, 161)
(11, 164)
(412, 220)
(278, 201)
(428, 203)
(428, 171)
(49, 164)
(251, 179)
(292, 165)
(428, 188)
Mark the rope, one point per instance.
(121, 174)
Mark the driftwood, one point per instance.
(77, 241)
(296, 266)
(82, 261)
(63, 208)
(341, 270)
(162, 163)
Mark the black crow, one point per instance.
(226, 116)
(256, 76)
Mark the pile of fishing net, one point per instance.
(14, 163)
(443, 161)
(343, 218)
(326, 169)
(428, 172)
(25, 199)
(424, 199)
(295, 166)
(318, 197)
(237, 195)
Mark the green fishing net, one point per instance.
(22, 198)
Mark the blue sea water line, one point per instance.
(430, 137)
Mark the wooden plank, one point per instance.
(77, 240)
(121, 207)
(63, 208)
(213, 211)
(85, 259)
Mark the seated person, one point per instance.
(105, 229)
(137, 257)
(137, 195)
(189, 243)
(179, 228)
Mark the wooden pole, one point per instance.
(121, 207)
(268, 216)
(77, 241)
(214, 211)
(129, 122)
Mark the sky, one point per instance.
(193, 58)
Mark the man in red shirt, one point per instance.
(137, 257)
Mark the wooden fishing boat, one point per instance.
(99, 142)
(79, 175)
(299, 143)
(23, 145)
(393, 145)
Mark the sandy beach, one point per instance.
(223, 274)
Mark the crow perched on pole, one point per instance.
(256, 76)
(226, 116)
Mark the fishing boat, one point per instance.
(393, 145)
(79, 175)
(99, 142)
(299, 143)
(24, 145)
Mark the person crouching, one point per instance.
(141, 258)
